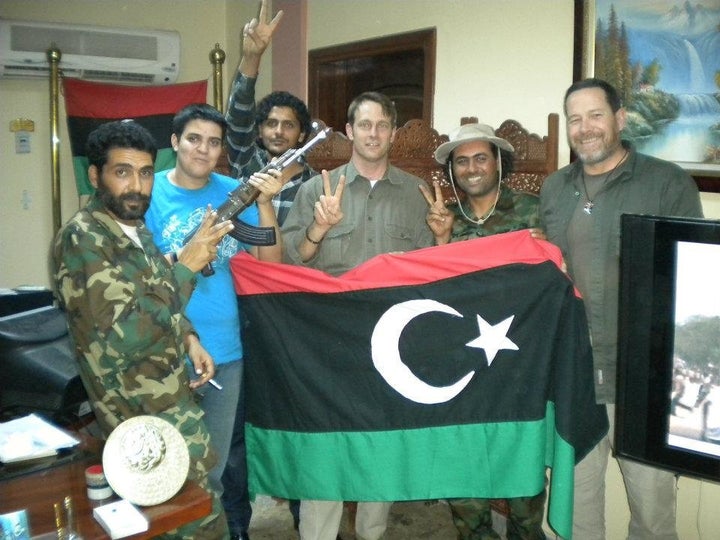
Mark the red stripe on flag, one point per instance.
(112, 101)
(396, 270)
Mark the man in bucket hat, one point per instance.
(477, 161)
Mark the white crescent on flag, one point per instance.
(388, 362)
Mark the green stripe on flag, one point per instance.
(165, 159)
(416, 464)
(80, 166)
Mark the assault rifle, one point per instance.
(245, 194)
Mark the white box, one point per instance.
(120, 519)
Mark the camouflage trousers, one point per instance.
(202, 458)
(473, 518)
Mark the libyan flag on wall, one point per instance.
(455, 371)
(90, 104)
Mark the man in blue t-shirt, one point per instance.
(180, 197)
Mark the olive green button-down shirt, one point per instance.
(387, 217)
(591, 248)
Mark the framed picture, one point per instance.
(664, 58)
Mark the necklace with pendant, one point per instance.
(487, 215)
(589, 204)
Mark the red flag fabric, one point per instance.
(461, 370)
(90, 104)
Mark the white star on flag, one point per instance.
(493, 338)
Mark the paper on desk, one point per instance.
(31, 437)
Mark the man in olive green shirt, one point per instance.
(340, 220)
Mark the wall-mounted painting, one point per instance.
(664, 58)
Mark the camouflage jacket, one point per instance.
(125, 316)
(514, 211)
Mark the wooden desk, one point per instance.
(37, 492)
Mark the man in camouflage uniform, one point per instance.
(476, 162)
(125, 303)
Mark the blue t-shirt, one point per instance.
(213, 308)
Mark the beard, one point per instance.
(592, 157)
(128, 206)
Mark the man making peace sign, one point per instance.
(341, 219)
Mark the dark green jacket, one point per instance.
(643, 185)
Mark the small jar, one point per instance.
(97, 485)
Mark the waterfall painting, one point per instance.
(663, 56)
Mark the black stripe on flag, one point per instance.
(79, 128)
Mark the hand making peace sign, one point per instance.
(439, 218)
(257, 34)
(328, 209)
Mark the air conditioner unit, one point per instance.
(89, 52)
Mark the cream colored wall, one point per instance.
(26, 220)
(486, 64)
(495, 59)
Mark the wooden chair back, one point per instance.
(415, 143)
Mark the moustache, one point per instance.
(135, 198)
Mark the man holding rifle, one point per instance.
(180, 197)
(280, 121)
(255, 136)
(125, 304)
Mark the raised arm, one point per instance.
(327, 212)
(241, 132)
(257, 35)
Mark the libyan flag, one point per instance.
(462, 370)
(90, 104)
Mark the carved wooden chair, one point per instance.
(415, 143)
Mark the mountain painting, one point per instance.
(664, 58)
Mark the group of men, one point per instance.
(150, 330)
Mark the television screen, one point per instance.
(668, 402)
